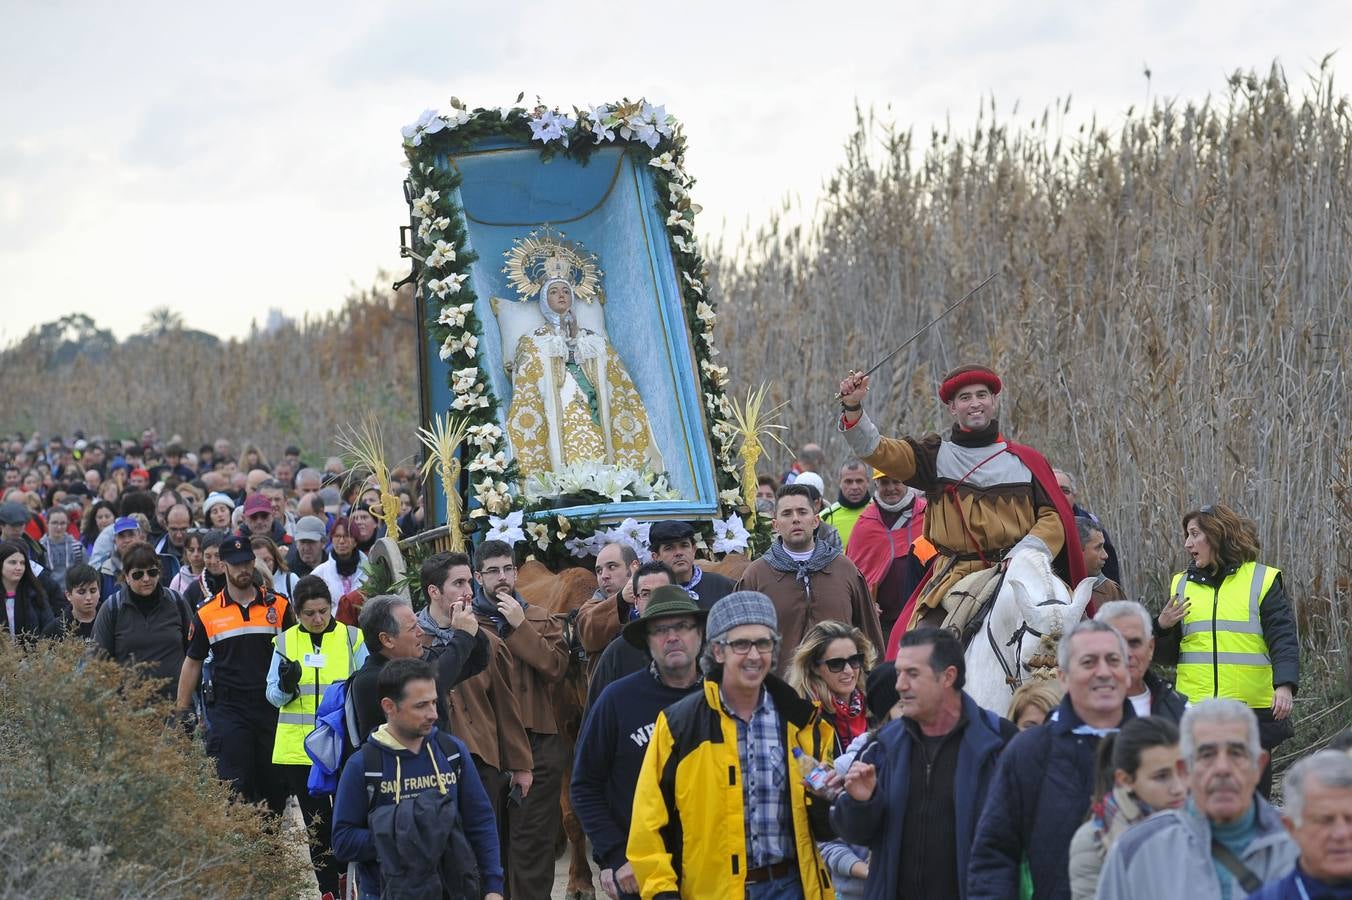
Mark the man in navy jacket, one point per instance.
(1042, 788)
(414, 758)
(915, 794)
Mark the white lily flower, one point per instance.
(539, 534)
(598, 116)
(442, 253)
(494, 464)
(730, 535)
(682, 244)
(448, 285)
(664, 161)
(551, 126)
(705, 313)
(506, 529)
(454, 316)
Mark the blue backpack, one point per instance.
(334, 738)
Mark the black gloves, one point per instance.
(288, 675)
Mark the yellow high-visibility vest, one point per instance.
(1223, 652)
(297, 719)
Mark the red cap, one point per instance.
(256, 504)
(965, 376)
(141, 472)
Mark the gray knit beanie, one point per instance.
(740, 608)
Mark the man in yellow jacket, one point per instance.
(720, 809)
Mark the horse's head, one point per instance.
(1039, 602)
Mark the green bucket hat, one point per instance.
(667, 601)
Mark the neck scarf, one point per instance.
(897, 507)
(840, 498)
(981, 437)
(485, 606)
(850, 720)
(347, 566)
(780, 561)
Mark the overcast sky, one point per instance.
(225, 160)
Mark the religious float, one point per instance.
(570, 389)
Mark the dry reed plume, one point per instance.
(1172, 319)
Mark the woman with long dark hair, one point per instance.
(1138, 774)
(1228, 624)
(98, 517)
(27, 614)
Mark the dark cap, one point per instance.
(668, 600)
(236, 550)
(668, 532)
(12, 512)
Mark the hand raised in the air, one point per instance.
(853, 388)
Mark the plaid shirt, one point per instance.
(765, 784)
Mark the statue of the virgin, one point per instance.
(572, 398)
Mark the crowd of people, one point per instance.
(800, 730)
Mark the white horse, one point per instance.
(1018, 640)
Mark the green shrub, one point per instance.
(101, 799)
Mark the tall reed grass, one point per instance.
(1172, 319)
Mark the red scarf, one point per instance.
(850, 718)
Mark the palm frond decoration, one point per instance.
(365, 447)
(442, 441)
(755, 425)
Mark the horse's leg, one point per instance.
(579, 868)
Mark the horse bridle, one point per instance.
(1013, 674)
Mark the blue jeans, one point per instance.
(789, 887)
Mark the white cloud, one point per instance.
(230, 162)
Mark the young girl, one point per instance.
(1138, 774)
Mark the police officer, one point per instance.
(238, 626)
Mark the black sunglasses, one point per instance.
(838, 664)
(138, 574)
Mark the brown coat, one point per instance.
(838, 592)
(539, 659)
(486, 715)
(598, 623)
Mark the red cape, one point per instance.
(875, 551)
(1069, 563)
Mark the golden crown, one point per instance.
(544, 255)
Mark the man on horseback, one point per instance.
(988, 497)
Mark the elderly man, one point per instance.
(169, 548)
(717, 817)
(889, 547)
(807, 580)
(1041, 791)
(307, 553)
(915, 797)
(989, 497)
(1318, 813)
(1150, 695)
(1227, 841)
(856, 485)
(614, 738)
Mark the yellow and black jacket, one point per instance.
(687, 838)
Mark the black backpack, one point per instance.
(458, 868)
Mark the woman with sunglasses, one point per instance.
(144, 621)
(828, 668)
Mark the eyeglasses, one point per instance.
(662, 630)
(743, 646)
(138, 574)
(505, 570)
(839, 663)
